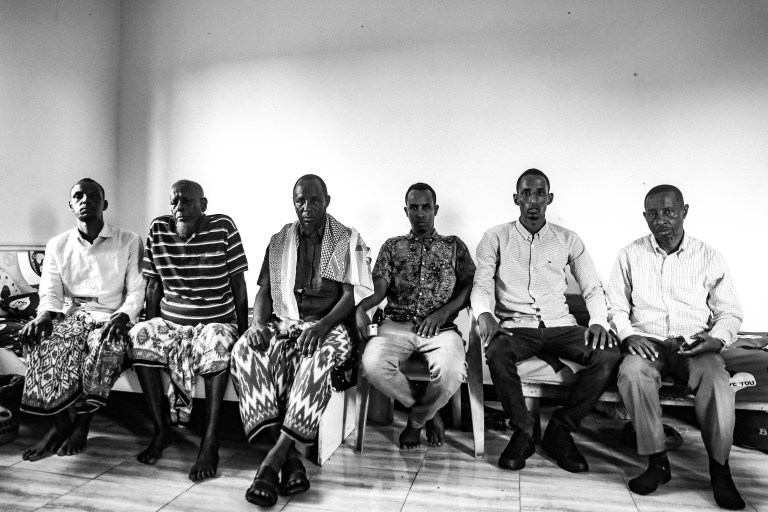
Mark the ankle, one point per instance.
(658, 459)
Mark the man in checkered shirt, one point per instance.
(675, 309)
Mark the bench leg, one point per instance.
(532, 404)
(456, 409)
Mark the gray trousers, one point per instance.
(394, 344)
(714, 402)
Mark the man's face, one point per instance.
(87, 202)
(421, 211)
(187, 207)
(310, 204)
(533, 197)
(665, 215)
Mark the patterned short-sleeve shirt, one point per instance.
(421, 273)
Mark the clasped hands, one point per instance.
(644, 347)
(42, 327)
(259, 335)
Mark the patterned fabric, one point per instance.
(339, 244)
(186, 352)
(72, 366)
(421, 273)
(662, 296)
(279, 385)
(195, 272)
(526, 275)
(99, 278)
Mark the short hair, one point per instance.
(189, 184)
(310, 177)
(532, 172)
(421, 186)
(661, 189)
(94, 182)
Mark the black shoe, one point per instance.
(658, 472)
(726, 494)
(559, 445)
(519, 448)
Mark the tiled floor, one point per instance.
(107, 476)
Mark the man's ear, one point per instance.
(437, 207)
(106, 205)
(203, 204)
(515, 198)
(69, 203)
(327, 201)
(405, 209)
(685, 210)
(550, 198)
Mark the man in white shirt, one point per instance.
(522, 265)
(675, 309)
(91, 290)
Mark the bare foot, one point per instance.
(410, 437)
(154, 451)
(77, 440)
(207, 461)
(435, 430)
(49, 443)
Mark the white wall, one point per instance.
(58, 110)
(608, 98)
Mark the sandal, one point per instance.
(294, 479)
(263, 490)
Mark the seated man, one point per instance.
(197, 306)
(426, 278)
(675, 310)
(523, 265)
(90, 291)
(314, 271)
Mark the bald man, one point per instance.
(197, 306)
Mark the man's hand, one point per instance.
(361, 322)
(598, 336)
(258, 336)
(488, 326)
(707, 344)
(311, 338)
(431, 325)
(114, 329)
(38, 329)
(641, 346)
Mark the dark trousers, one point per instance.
(505, 351)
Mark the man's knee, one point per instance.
(377, 363)
(607, 359)
(448, 371)
(635, 369)
(707, 370)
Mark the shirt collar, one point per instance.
(543, 232)
(106, 232)
(428, 236)
(657, 248)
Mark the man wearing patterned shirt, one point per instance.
(426, 278)
(675, 309)
(522, 265)
(90, 292)
(197, 306)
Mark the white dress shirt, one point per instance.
(660, 295)
(526, 274)
(100, 279)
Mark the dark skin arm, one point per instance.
(361, 315)
(259, 334)
(240, 296)
(313, 336)
(431, 325)
(152, 297)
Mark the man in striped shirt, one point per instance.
(197, 306)
(522, 265)
(675, 309)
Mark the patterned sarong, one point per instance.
(185, 352)
(279, 385)
(72, 366)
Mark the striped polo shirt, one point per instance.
(195, 272)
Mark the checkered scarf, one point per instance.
(344, 258)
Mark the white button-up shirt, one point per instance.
(526, 274)
(100, 279)
(660, 295)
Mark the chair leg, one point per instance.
(363, 393)
(532, 404)
(476, 405)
